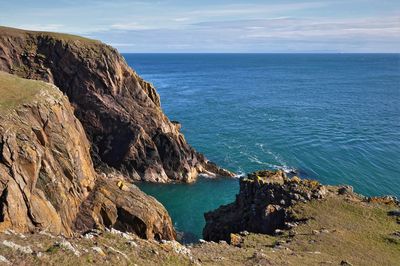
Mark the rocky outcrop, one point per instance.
(262, 205)
(119, 111)
(115, 203)
(47, 179)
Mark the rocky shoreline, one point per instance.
(266, 204)
(78, 127)
(321, 225)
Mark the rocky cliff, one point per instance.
(119, 111)
(47, 178)
(266, 204)
(335, 227)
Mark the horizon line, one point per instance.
(388, 53)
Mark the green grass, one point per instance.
(358, 232)
(338, 228)
(60, 36)
(16, 91)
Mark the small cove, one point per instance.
(330, 117)
(186, 203)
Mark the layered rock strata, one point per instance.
(119, 111)
(47, 179)
(262, 205)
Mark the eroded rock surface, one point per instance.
(262, 205)
(119, 111)
(47, 179)
(114, 203)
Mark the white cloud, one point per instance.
(181, 19)
(129, 26)
(252, 9)
(41, 27)
(285, 34)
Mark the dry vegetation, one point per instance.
(340, 228)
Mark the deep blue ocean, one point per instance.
(330, 117)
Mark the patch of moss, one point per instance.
(53, 249)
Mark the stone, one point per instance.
(289, 225)
(130, 211)
(235, 240)
(394, 213)
(244, 233)
(99, 251)
(396, 234)
(389, 200)
(118, 252)
(132, 244)
(62, 193)
(4, 260)
(263, 205)
(38, 254)
(64, 244)
(343, 190)
(345, 263)
(94, 232)
(178, 248)
(260, 258)
(16, 247)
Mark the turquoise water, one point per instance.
(333, 117)
(186, 203)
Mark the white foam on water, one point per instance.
(278, 158)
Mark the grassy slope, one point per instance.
(17, 91)
(61, 36)
(339, 228)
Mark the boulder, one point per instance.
(47, 178)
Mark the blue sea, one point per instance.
(330, 117)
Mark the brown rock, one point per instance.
(262, 205)
(119, 111)
(343, 190)
(127, 210)
(47, 179)
(44, 176)
(235, 240)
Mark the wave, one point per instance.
(281, 166)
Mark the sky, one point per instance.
(253, 26)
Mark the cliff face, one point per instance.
(263, 205)
(47, 179)
(119, 111)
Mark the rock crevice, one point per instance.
(262, 205)
(47, 178)
(120, 112)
